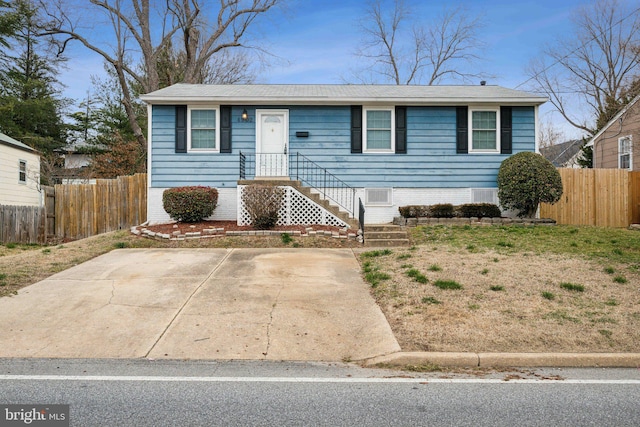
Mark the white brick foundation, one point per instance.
(228, 199)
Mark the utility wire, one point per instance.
(579, 47)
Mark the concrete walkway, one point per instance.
(276, 304)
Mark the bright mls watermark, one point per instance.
(34, 415)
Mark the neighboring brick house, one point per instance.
(617, 145)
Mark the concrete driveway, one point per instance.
(275, 304)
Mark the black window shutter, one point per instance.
(181, 128)
(401, 130)
(462, 130)
(225, 129)
(356, 129)
(506, 135)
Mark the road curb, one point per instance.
(502, 360)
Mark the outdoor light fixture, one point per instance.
(245, 115)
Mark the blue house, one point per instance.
(384, 146)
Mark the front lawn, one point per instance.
(503, 289)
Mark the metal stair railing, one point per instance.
(324, 182)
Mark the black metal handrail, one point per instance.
(306, 171)
(324, 182)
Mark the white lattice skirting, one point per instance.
(296, 209)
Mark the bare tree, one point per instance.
(147, 30)
(549, 134)
(421, 54)
(594, 66)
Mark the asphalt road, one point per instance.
(180, 393)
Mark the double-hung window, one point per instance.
(378, 130)
(624, 152)
(484, 130)
(203, 130)
(22, 172)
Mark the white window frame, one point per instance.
(22, 171)
(630, 153)
(389, 202)
(215, 108)
(392, 148)
(470, 124)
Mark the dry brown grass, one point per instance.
(514, 317)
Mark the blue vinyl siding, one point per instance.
(431, 160)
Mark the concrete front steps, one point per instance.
(385, 235)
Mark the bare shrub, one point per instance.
(263, 203)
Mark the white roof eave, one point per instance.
(150, 99)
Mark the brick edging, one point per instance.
(142, 231)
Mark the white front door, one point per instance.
(272, 141)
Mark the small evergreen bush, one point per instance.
(479, 210)
(262, 203)
(415, 211)
(190, 204)
(444, 210)
(525, 180)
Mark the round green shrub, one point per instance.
(190, 204)
(525, 180)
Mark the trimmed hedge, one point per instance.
(479, 210)
(443, 210)
(415, 211)
(446, 210)
(190, 204)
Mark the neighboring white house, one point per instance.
(19, 173)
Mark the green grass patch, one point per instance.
(609, 270)
(434, 267)
(484, 271)
(447, 284)
(605, 333)
(10, 245)
(497, 288)
(46, 251)
(120, 245)
(574, 287)
(417, 276)
(504, 244)
(286, 238)
(620, 279)
(548, 295)
(375, 277)
(403, 256)
(430, 300)
(376, 253)
(611, 302)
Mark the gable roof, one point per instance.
(613, 120)
(340, 94)
(7, 140)
(560, 154)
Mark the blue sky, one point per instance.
(315, 40)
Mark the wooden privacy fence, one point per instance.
(602, 197)
(22, 224)
(110, 204)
